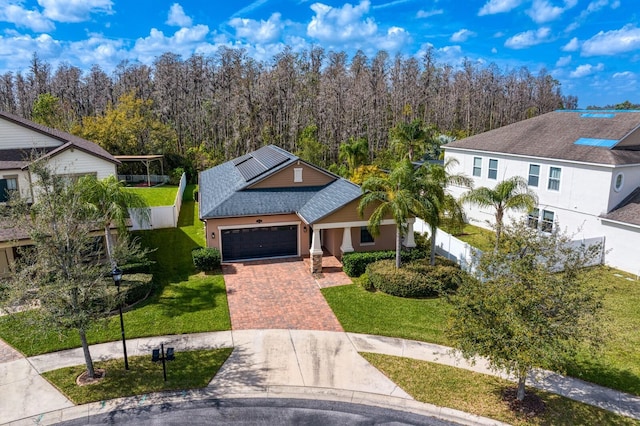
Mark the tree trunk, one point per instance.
(521, 381)
(499, 215)
(87, 356)
(398, 246)
(109, 245)
(432, 255)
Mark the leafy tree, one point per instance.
(63, 270)
(533, 306)
(112, 201)
(128, 128)
(362, 173)
(354, 152)
(434, 180)
(309, 148)
(413, 140)
(49, 111)
(510, 194)
(395, 195)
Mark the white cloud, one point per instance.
(183, 42)
(177, 17)
(585, 70)
(542, 11)
(17, 50)
(613, 42)
(593, 7)
(395, 38)
(258, 31)
(625, 74)
(462, 35)
(492, 7)
(99, 50)
(572, 46)
(494, 50)
(528, 38)
(74, 10)
(341, 24)
(428, 13)
(22, 18)
(563, 61)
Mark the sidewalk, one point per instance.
(285, 363)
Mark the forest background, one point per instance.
(201, 110)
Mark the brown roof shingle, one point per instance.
(552, 135)
(628, 211)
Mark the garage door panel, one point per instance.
(260, 242)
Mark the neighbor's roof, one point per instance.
(628, 210)
(592, 136)
(14, 158)
(225, 189)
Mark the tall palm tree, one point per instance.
(409, 139)
(394, 195)
(433, 180)
(510, 194)
(112, 201)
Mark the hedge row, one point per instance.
(355, 264)
(206, 259)
(414, 279)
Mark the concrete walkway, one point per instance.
(271, 363)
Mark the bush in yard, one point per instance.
(415, 279)
(176, 175)
(206, 259)
(354, 264)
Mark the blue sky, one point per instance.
(591, 46)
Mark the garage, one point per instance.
(259, 242)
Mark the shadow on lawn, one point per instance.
(182, 299)
(600, 373)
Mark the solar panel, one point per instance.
(251, 168)
(241, 159)
(605, 143)
(269, 157)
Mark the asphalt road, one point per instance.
(259, 411)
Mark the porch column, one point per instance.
(409, 242)
(316, 252)
(346, 246)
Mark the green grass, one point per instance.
(480, 238)
(184, 301)
(617, 366)
(156, 196)
(360, 311)
(482, 394)
(190, 370)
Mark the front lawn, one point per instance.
(190, 370)
(156, 196)
(184, 301)
(481, 394)
(617, 366)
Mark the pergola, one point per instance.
(145, 159)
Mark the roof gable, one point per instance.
(583, 136)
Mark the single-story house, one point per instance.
(23, 141)
(584, 165)
(270, 203)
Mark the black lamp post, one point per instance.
(116, 274)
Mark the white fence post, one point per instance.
(163, 216)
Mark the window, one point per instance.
(477, 166)
(7, 186)
(365, 236)
(12, 184)
(493, 169)
(533, 218)
(618, 182)
(554, 179)
(297, 174)
(534, 174)
(547, 221)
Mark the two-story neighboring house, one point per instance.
(584, 166)
(21, 142)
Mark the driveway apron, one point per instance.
(276, 294)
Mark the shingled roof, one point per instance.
(628, 211)
(604, 137)
(12, 158)
(225, 189)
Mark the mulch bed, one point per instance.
(531, 406)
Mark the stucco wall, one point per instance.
(284, 178)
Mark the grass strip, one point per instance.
(190, 370)
(481, 394)
(156, 196)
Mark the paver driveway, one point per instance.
(276, 294)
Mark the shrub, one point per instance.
(354, 264)
(415, 279)
(206, 259)
(176, 175)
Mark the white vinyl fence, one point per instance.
(163, 216)
(465, 254)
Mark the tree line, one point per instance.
(212, 108)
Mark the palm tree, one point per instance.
(112, 201)
(411, 139)
(433, 180)
(394, 195)
(510, 194)
(354, 152)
